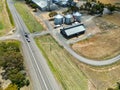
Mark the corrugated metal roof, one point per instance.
(74, 30)
(41, 3)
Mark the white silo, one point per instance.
(77, 16)
(68, 19)
(58, 19)
(63, 2)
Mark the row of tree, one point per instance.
(96, 7)
(12, 62)
(92, 7)
(33, 5)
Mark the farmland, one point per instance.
(60, 63)
(103, 45)
(5, 24)
(110, 1)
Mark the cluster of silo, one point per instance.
(67, 19)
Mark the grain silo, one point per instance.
(68, 19)
(77, 16)
(63, 3)
(58, 19)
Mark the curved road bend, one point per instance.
(62, 42)
(40, 73)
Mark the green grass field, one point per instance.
(60, 63)
(11, 87)
(5, 24)
(1, 26)
(32, 24)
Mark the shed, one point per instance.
(73, 31)
(42, 4)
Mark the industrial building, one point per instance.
(67, 19)
(45, 4)
(49, 4)
(73, 31)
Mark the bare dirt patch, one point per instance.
(109, 1)
(103, 45)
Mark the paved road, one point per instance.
(59, 38)
(40, 73)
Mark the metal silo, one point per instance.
(77, 16)
(63, 2)
(58, 19)
(68, 19)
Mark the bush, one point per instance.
(52, 14)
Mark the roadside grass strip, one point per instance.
(30, 21)
(60, 62)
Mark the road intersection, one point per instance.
(40, 73)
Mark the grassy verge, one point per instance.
(32, 24)
(5, 24)
(102, 77)
(9, 13)
(11, 87)
(60, 62)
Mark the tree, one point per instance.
(34, 6)
(12, 63)
(118, 84)
(111, 8)
(110, 89)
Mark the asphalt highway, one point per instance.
(40, 73)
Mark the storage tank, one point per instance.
(77, 16)
(58, 19)
(63, 2)
(68, 19)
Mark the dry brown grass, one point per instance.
(103, 45)
(60, 63)
(101, 77)
(110, 1)
(114, 18)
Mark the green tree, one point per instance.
(110, 89)
(111, 7)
